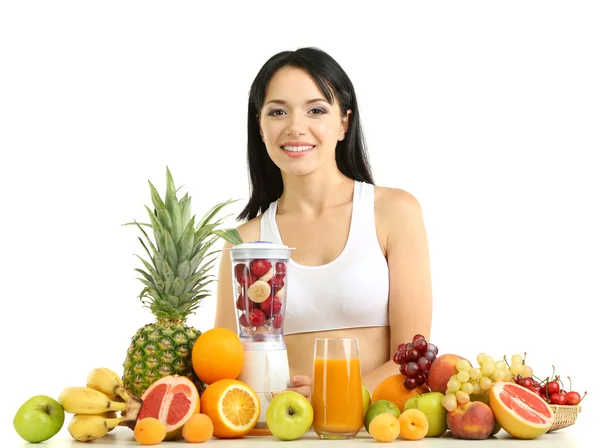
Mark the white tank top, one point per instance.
(349, 292)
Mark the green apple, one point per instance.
(430, 404)
(366, 396)
(485, 398)
(289, 415)
(39, 418)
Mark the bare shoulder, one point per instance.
(398, 218)
(250, 230)
(396, 203)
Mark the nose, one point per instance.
(295, 125)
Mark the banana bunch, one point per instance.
(96, 406)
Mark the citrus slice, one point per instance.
(232, 406)
(522, 413)
(172, 400)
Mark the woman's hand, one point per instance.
(301, 384)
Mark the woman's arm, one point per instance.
(407, 252)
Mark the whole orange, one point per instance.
(392, 389)
(218, 354)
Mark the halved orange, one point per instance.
(172, 400)
(232, 406)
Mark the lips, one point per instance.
(297, 149)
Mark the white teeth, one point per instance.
(297, 148)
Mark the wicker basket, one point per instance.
(564, 416)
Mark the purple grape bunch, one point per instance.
(415, 359)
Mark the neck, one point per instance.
(312, 193)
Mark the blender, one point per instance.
(260, 289)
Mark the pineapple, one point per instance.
(175, 280)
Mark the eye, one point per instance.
(276, 112)
(317, 111)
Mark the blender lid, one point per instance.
(261, 249)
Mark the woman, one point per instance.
(361, 252)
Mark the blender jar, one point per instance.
(259, 287)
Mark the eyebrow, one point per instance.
(314, 100)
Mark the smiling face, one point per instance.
(299, 127)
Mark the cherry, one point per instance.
(572, 398)
(553, 388)
(533, 389)
(558, 398)
(527, 382)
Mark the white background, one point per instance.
(487, 112)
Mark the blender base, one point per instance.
(266, 371)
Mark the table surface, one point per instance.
(120, 436)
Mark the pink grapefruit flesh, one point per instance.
(172, 400)
(522, 413)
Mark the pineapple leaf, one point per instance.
(184, 298)
(156, 199)
(230, 235)
(168, 287)
(191, 281)
(183, 270)
(150, 243)
(171, 251)
(178, 286)
(173, 206)
(158, 229)
(167, 271)
(198, 287)
(147, 276)
(173, 301)
(155, 276)
(148, 284)
(165, 218)
(186, 242)
(185, 204)
(212, 212)
(201, 253)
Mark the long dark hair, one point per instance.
(350, 153)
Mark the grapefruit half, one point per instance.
(522, 413)
(172, 400)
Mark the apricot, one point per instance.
(149, 431)
(413, 424)
(384, 428)
(198, 429)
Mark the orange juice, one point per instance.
(337, 396)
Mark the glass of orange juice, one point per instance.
(337, 388)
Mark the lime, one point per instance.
(380, 407)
